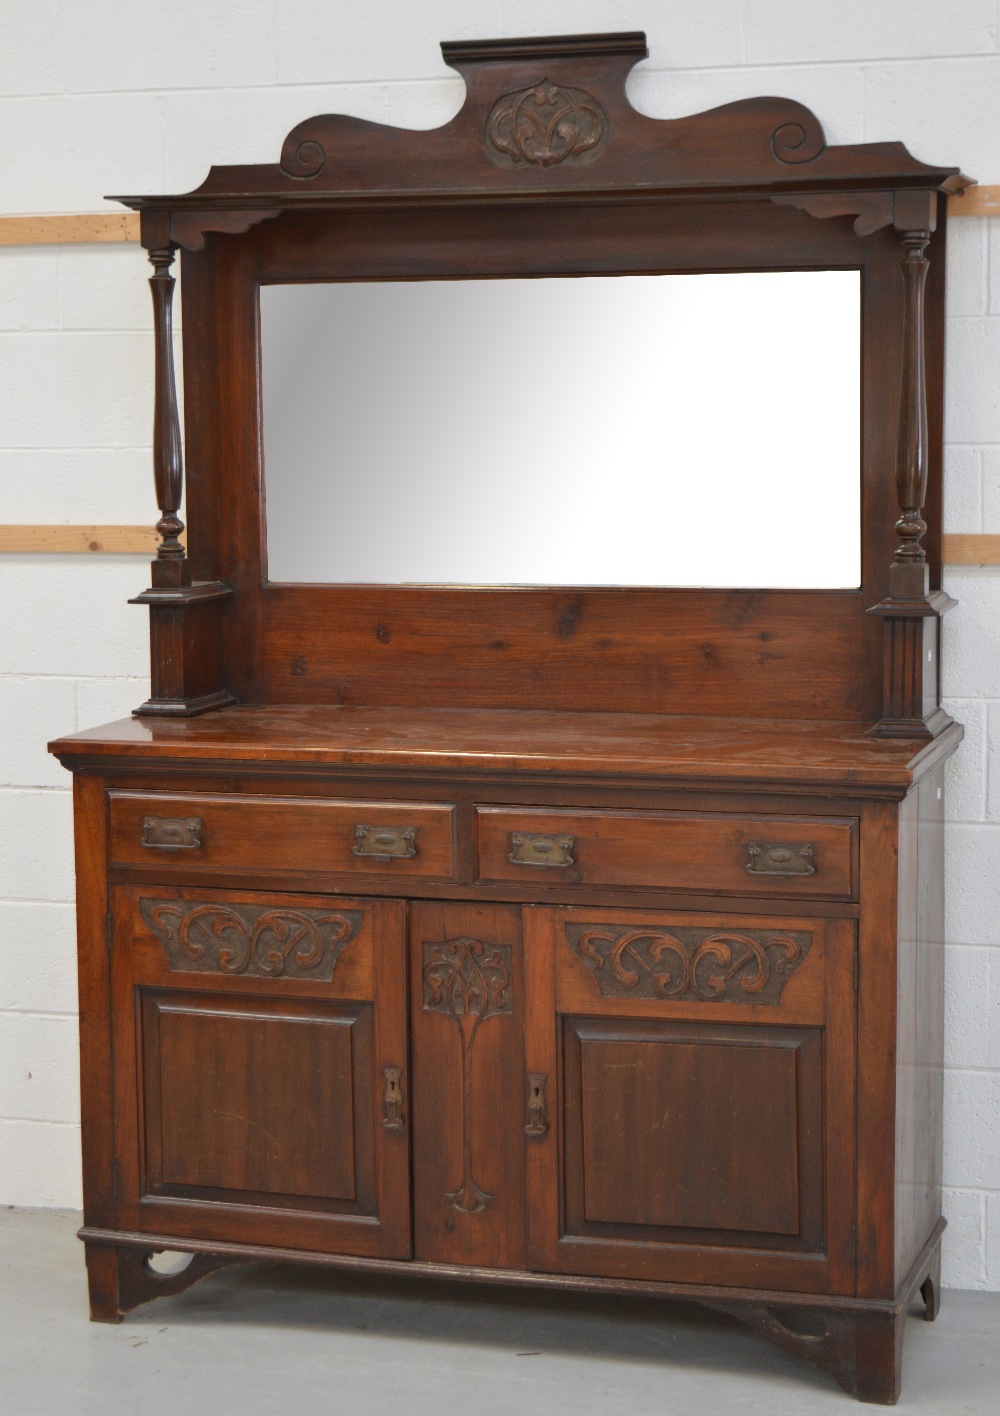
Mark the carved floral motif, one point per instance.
(748, 966)
(256, 940)
(468, 981)
(545, 125)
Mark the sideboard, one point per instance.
(579, 936)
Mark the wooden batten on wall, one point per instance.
(959, 548)
(60, 540)
(83, 228)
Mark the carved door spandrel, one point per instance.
(468, 1088)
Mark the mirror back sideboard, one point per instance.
(585, 936)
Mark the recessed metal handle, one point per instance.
(537, 1123)
(784, 859)
(545, 851)
(392, 1120)
(172, 833)
(385, 842)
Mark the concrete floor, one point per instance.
(270, 1339)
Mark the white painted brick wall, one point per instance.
(112, 97)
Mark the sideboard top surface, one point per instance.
(640, 745)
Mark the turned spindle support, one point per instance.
(185, 622)
(911, 612)
(171, 565)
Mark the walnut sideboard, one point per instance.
(568, 936)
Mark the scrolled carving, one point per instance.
(304, 159)
(468, 981)
(717, 966)
(257, 941)
(795, 143)
(545, 125)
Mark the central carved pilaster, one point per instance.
(468, 981)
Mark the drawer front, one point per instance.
(286, 835)
(737, 855)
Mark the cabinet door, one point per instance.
(694, 1080)
(260, 1050)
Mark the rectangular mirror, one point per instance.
(643, 430)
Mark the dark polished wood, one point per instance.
(583, 938)
(600, 747)
(466, 1037)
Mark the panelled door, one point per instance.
(693, 1078)
(260, 1049)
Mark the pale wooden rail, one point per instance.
(975, 201)
(87, 227)
(141, 540)
(969, 549)
(57, 540)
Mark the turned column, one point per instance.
(911, 612)
(185, 616)
(171, 565)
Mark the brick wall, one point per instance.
(123, 96)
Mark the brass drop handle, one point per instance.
(172, 833)
(784, 859)
(385, 842)
(547, 851)
(537, 1123)
(392, 1120)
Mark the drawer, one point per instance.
(282, 835)
(737, 855)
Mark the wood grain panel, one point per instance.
(469, 1105)
(69, 229)
(587, 650)
(978, 200)
(885, 877)
(639, 1154)
(259, 1101)
(968, 549)
(919, 1021)
(62, 540)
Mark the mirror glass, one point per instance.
(668, 430)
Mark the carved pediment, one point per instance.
(546, 115)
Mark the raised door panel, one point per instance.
(699, 1075)
(469, 1104)
(269, 1101)
(714, 1131)
(261, 1089)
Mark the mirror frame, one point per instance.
(547, 169)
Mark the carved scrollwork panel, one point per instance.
(466, 978)
(713, 965)
(545, 125)
(257, 941)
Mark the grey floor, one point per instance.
(270, 1339)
